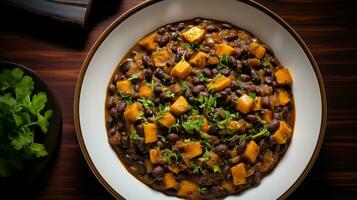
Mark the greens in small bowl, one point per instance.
(25, 118)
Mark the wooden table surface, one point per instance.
(56, 51)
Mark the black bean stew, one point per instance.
(200, 109)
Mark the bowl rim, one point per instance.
(147, 3)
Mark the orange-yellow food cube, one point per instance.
(283, 133)
(150, 132)
(180, 106)
(283, 77)
(155, 156)
(199, 60)
(187, 188)
(192, 150)
(252, 151)
(244, 104)
(257, 50)
(125, 87)
(181, 70)
(145, 91)
(149, 42)
(161, 58)
(257, 104)
(169, 181)
(283, 97)
(194, 35)
(132, 112)
(224, 49)
(234, 126)
(167, 119)
(239, 174)
(219, 84)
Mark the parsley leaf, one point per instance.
(134, 136)
(193, 125)
(266, 63)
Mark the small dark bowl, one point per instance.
(32, 168)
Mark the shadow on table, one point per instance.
(70, 35)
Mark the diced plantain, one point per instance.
(149, 42)
(283, 77)
(257, 50)
(180, 106)
(251, 152)
(155, 156)
(239, 174)
(257, 104)
(283, 133)
(213, 160)
(181, 70)
(150, 132)
(167, 120)
(161, 58)
(125, 87)
(145, 91)
(224, 49)
(169, 181)
(244, 104)
(199, 60)
(219, 84)
(132, 112)
(194, 35)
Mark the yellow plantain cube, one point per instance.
(224, 49)
(181, 70)
(194, 35)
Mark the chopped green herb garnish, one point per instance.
(126, 99)
(266, 63)
(216, 168)
(263, 132)
(147, 103)
(207, 103)
(134, 76)
(252, 95)
(224, 61)
(162, 138)
(205, 156)
(196, 169)
(201, 189)
(134, 136)
(202, 77)
(168, 155)
(193, 125)
(169, 94)
(186, 46)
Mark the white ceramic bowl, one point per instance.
(100, 63)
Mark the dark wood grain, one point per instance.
(329, 27)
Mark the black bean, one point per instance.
(237, 52)
(172, 28)
(141, 145)
(249, 87)
(223, 94)
(140, 129)
(228, 90)
(148, 75)
(113, 112)
(235, 160)
(120, 125)
(170, 63)
(158, 171)
(235, 139)
(157, 90)
(207, 72)
(148, 113)
(192, 100)
(111, 89)
(136, 87)
(241, 147)
(157, 101)
(125, 66)
(213, 130)
(231, 37)
(115, 79)
(273, 125)
(141, 168)
(161, 30)
(233, 98)
(251, 118)
(255, 77)
(266, 101)
(239, 67)
(239, 93)
(205, 94)
(233, 64)
(268, 71)
(226, 170)
(285, 112)
(212, 28)
(268, 80)
(160, 144)
(253, 62)
(147, 61)
(245, 77)
(277, 116)
(226, 26)
(180, 26)
(128, 159)
(188, 55)
(121, 107)
(112, 130)
(197, 21)
(221, 149)
(163, 40)
(234, 85)
(197, 89)
(110, 103)
(174, 36)
(225, 71)
(196, 81)
(172, 137)
(275, 84)
(159, 73)
(164, 97)
(209, 42)
(257, 177)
